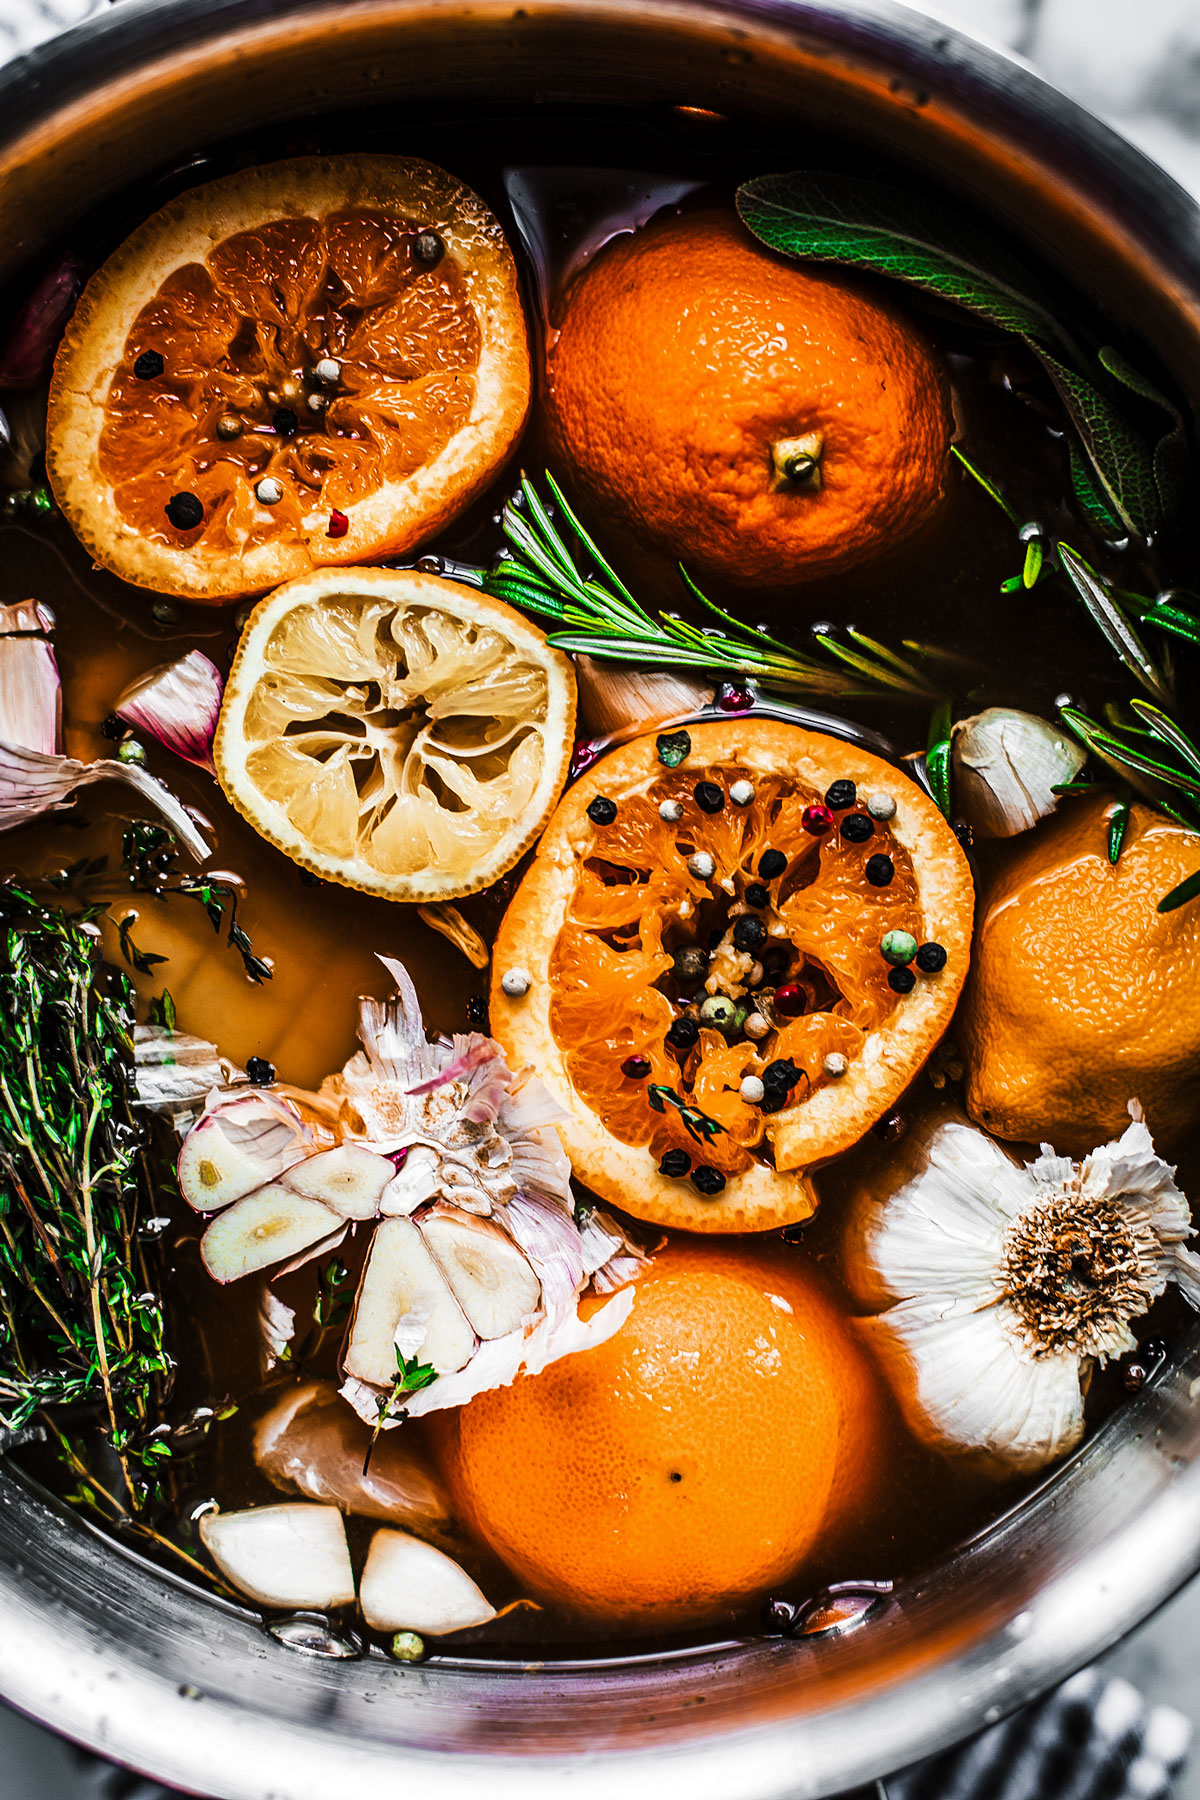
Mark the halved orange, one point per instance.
(315, 361)
(396, 732)
(608, 908)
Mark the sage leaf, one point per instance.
(1122, 482)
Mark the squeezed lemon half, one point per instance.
(394, 731)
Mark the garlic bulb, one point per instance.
(1000, 1286)
(1006, 767)
(616, 696)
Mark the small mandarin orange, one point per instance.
(762, 422)
(690, 1460)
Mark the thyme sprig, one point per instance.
(556, 569)
(80, 1320)
(411, 1376)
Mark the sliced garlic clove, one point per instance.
(349, 1178)
(491, 1278)
(402, 1281)
(233, 1151)
(407, 1585)
(261, 1229)
(291, 1555)
(613, 697)
(1006, 767)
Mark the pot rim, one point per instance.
(130, 1707)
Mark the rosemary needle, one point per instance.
(599, 616)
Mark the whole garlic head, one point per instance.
(1006, 767)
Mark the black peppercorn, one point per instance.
(683, 1033)
(892, 1127)
(675, 1163)
(185, 511)
(114, 727)
(780, 1076)
(880, 870)
(901, 981)
(775, 962)
(709, 797)
(477, 1013)
(260, 1071)
(757, 895)
(285, 421)
(749, 933)
(840, 794)
(690, 963)
(774, 1100)
(149, 365)
(857, 828)
(930, 958)
(429, 248)
(602, 810)
(772, 863)
(707, 1181)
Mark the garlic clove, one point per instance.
(290, 1555)
(310, 1442)
(402, 1282)
(261, 1229)
(491, 1278)
(237, 1148)
(615, 696)
(349, 1178)
(407, 1585)
(30, 689)
(1006, 767)
(177, 703)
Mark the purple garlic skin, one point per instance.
(29, 348)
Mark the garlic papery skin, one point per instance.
(614, 697)
(177, 704)
(1006, 767)
(30, 689)
(1001, 1286)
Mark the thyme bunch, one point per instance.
(81, 1323)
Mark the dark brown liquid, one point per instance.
(575, 179)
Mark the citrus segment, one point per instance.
(317, 361)
(759, 421)
(701, 1454)
(394, 731)
(672, 975)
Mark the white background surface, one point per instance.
(1137, 63)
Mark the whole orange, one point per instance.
(1082, 995)
(761, 422)
(693, 1459)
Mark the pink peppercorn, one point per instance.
(585, 753)
(789, 1000)
(817, 820)
(339, 524)
(636, 1067)
(734, 698)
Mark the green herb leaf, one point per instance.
(698, 1124)
(1179, 896)
(1118, 825)
(1107, 614)
(1120, 480)
(937, 757)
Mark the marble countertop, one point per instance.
(1138, 66)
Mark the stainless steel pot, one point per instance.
(108, 1650)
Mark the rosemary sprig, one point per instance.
(547, 573)
(80, 1321)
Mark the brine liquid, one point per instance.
(561, 185)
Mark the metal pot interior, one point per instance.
(107, 1648)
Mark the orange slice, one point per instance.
(601, 917)
(317, 361)
(395, 732)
